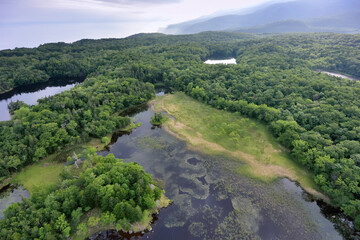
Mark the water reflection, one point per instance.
(9, 195)
(212, 201)
(31, 93)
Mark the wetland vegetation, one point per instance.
(209, 197)
(272, 96)
(125, 194)
(157, 119)
(217, 132)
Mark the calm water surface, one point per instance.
(9, 195)
(338, 75)
(210, 200)
(30, 94)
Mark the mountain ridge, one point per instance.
(300, 10)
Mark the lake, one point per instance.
(223, 61)
(210, 200)
(31, 93)
(338, 75)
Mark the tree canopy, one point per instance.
(314, 115)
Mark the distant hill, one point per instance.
(293, 16)
(341, 24)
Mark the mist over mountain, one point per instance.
(292, 16)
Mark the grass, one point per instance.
(46, 173)
(217, 132)
(41, 175)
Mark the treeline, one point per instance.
(123, 191)
(87, 110)
(315, 116)
(23, 66)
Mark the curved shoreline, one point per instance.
(258, 169)
(336, 74)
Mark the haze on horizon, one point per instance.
(29, 23)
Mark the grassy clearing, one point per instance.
(41, 175)
(46, 172)
(219, 132)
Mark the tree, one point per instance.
(62, 225)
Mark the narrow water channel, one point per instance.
(210, 200)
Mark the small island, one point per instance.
(104, 193)
(157, 119)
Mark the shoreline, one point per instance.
(338, 75)
(254, 168)
(94, 142)
(6, 91)
(136, 228)
(48, 81)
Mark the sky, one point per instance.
(29, 23)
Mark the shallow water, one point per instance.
(210, 201)
(31, 93)
(9, 195)
(338, 75)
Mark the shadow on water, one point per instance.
(130, 112)
(31, 93)
(32, 88)
(210, 201)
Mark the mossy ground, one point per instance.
(219, 132)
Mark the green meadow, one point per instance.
(245, 140)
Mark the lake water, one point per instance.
(210, 200)
(9, 195)
(31, 93)
(224, 61)
(338, 75)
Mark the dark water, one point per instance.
(210, 201)
(9, 195)
(31, 93)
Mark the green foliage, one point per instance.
(68, 118)
(157, 119)
(315, 116)
(13, 106)
(122, 190)
(105, 140)
(82, 229)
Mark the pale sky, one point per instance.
(28, 23)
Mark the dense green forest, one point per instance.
(315, 116)
(72, 117)
(123, 191)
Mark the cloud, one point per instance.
(130, 2)
(31, 22)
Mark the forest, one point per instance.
(72, 117)
(315, 116)
(123, 191)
